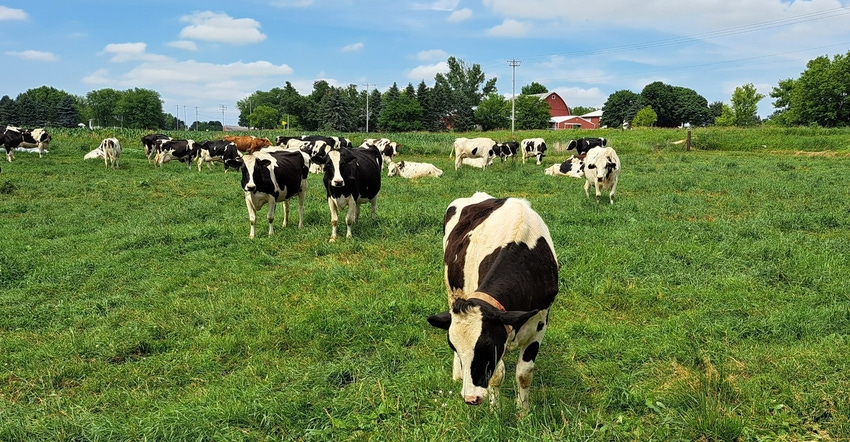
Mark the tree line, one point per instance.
(461, 99)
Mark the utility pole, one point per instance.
(513, 63)
(223, 108)
(177, 117)
(367, 105)
(196, 118)
(185, 118)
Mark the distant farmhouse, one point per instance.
(560, 114)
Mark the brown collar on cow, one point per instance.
(488, 299)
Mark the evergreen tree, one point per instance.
(8, 112)
(66, 112)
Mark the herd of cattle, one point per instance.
(500, 266)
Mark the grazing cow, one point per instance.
(602, 170)
(149, 142)
(582, 145)
(36, 138)
(389, 149)
(111, 152)
(533, 147)
(217, 150)
(473, 148)
(507, 149)
(12, 138)
(271, 176)
(247, 143)
(572, 167)
(409, 169)
(181, 150)
(501, 274)
(352, 177)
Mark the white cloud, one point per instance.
(509, 28)
(460, 15)
(356, 47)
(433, 54)
(427, 72)
(34, 55)
(438, 5)
(122, 52)
(183, 44)
(7, 13)
(211, 26)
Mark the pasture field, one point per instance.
(710, 302)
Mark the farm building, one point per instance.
(561, 117)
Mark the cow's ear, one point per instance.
(441, 320)
(264, 163)
(516, 318)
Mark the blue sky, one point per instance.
(202, 55)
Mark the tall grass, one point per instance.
(710, 302)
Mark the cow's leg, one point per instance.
(252, 213)
(40, 150)
(457, 369)
(334, 218)
(351, 217)
(598, 191)
(525, 370)
(495, 382)
(301, 196)
(285, 212)
(587, 188)
(458, 161)
(272, 207)
(613, 189)
(375, 207)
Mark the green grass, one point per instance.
(709, 303)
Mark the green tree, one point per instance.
(264, 117)
(745, 100)
(726, 117)
(494, 112)
(581, 110)
(102, 104)
(531, 113)
(46, 100)
(8, 112)
(534, 88)
(66, 112)
(782, 93)
(138, 109)
(822, 93)
(31, 113)
(645, 117)
(465, 84)
(621, 107)
(401, 115)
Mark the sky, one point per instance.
(203, 57)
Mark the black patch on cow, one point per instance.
(289, 173)
(457, 243)
(530, 353)
(519, 277)
(540, 325)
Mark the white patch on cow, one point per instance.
(465, 148)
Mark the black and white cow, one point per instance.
(217, 151)
(181, 150)
(481, 147)
(501, 274)
(507, 149)
(572, 167)
(12, 138)
(352, 177)
(149, 142)
(111, 149)
(36, 138)
(602, 171)
(387, 147)
(270, 176)
(582, 145)
(533, 147)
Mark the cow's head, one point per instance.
(394, 168)
(478, 334)
(603, 165)
(254, 170)
(338, 166)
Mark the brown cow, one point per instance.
(247, 143)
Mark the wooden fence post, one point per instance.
(689, 141)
